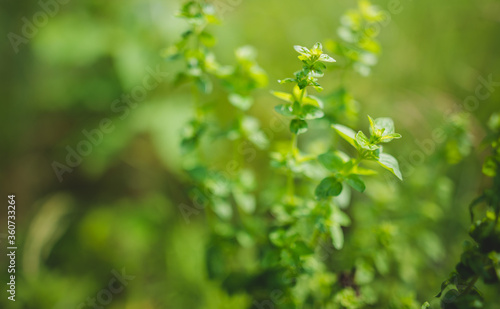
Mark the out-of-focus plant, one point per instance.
(357, 44)
(480, 259)
(216, 188)
(357, 50)
(226, 194)
(194, 50)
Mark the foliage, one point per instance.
(480, 259)
(212, 224)
(290, 257)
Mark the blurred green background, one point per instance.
(118, 209)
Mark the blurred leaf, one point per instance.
(390, 163)
(348, 134)
(337, 236)
(328, 187)
(298, 126)
(356, 182)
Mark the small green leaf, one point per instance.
(364, 142)
(332, 161)
(389, 137)
(298, 126)
(302, 84)
(426, 305)
(340, 217)
(383, 126)
(356, 182)
(390, 163)
(302, 50)
(311, 112)
(283, 96)
(287, 81)
(284, 109)
(301, 248)
(326, 58)
(204, 84)
(329, 186)
(241, 102)
(245, 201)
(490, 167)
(337, 236)
(317, 48)
(222, 208)
(348, 134)
(312, 100)
(207, 39)
(278, 237)
(372, 125)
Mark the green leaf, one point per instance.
(356, 182)
(245, 201)
(317, 48)
(207, 39)
(372, 125)
(298, 126)
(241, 102)
(390, 163)
(311, 112)
(332, 161)
(284, 109)
(301, 248)
(337, 236)
(287, 81)
(283, 96)
(278, 238)
(364, 142)
(326, 58)
(312, 100)
(382, 126)
(490, 167)
(302, 50)
(204, 84)
(426, 305)
(329, 186)
(444, 285)
(223, 209)
(389, 137)
(340, 217)
(348, 134)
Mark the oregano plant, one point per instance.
(480, 260)
(282, 236)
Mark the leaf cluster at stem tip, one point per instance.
(313, 66)
(346, 169)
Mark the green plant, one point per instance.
(280, 238)
(304, 220)
(480, 259)
(214, 189)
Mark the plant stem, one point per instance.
(290, 184)
(197, 102)
(294, 151)
(302, 92)
(471, 284)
